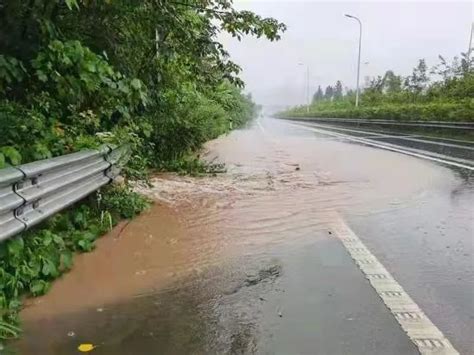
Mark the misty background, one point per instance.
(394, 36)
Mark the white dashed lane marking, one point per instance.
(423, 333)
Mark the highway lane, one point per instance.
(456, 150)
(415, 239)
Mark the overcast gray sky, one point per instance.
(395, 35)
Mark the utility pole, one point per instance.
(469, 48)
(358, 61)
(307, 87)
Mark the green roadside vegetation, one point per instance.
(76, 74)
(442, 93)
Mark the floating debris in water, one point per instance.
(86, 348)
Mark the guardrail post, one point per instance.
(10, 201)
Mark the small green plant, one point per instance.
(9, 331)
(192, 165)
(121, 202)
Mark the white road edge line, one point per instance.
(414, 138)
(383, 146)
(422, 332)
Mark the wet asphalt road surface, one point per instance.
(246, 262)
(453, 144)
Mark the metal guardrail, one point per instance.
(373, 121)
(31, 193)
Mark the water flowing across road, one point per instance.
(248, 261)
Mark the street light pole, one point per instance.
(307, 87)
(469, 48)
(358, 62)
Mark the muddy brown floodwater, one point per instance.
(239, 262)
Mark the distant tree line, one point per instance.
(444, 92)
(445, 80)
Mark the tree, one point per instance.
(338, 93)
(350, 93)
(467, 65)
(374, 92)
(102, 59)
(128, 31)
(457, 68)
(418, 80)
(391, 83)
(318, 95)
(442, 69)
(329, 93)
(376, 84)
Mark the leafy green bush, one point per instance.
(197, 119)
(122, 203)
(192, 165)
(434, 111)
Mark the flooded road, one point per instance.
(249, 262)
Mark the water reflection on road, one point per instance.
(244, 262)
